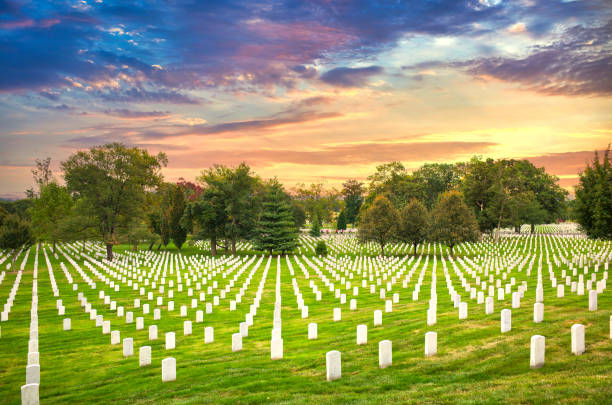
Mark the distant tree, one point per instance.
(299, 213)
(112, 180)
(321, 248)
(138, 232)
(378, 222)
(593, 205)
(341, 221)
(413, 223)
(42, 174)
(315, 229)
(316, 199)
(353, 192)
(434, 179)
(452, 221)
(208, 214)
(178, 232)
(276, 230)
(15, 233)
(52, 206)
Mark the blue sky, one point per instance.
(305, 90)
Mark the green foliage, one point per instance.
(321, 248)
(315, 229)
(318, 201)
(276, 230)
(111, 180)
(52, 207)
(452, 222)
(378, 222)
(353, 199)
(413, 223)
(593, 206)
(341, 221)
(434, 179)
(299, 213)
(230, 202)
(15, 233)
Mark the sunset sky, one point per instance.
(305, 90)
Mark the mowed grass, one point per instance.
(475, 362)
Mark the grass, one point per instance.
(475, 362)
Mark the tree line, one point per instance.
(117, 194)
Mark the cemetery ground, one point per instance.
(474, 363)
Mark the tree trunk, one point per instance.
(54, 250)
(414, 248)
(451, 250)
(151, 245)
(233, 246)
(13, 259)
(109, 252)
(532, 228)
(213, 246)
(382, 248)
(159, 246)
(135, 247)
(517, 229)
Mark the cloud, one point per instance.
(138, 95)
(257, 124)
(565, 163)
(579, 64)
(355, 154)
(350, 77)
(131, 114)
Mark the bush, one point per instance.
(321, 248)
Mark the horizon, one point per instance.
(306, 92)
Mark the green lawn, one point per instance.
(475, 362)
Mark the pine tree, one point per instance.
(276, 229)
(341, 222)
(316, 225)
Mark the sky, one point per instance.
(307, 91)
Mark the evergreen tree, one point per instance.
(341, 221)
(315, 230)
(321, 248)
(593, 206)
(276, 230)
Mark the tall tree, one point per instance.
(111, 180)
(434, 179)
(452, 221)
(341, 221)
(593, 206)
(42, 174)
(52, 206)
(413, 223)
(236, 190)
(15, 233)
(276, 230)
(315, 225)
(353, 192)
(177, 231)
(378, 222)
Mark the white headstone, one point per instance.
(187, 328)
(33, 374)
(153, 332)
(337, 314)
(538, 350)
(377, 317)
(128, 347)
(538, 312)
(276, 349)
(362, 334)
(144, 358)
(593, 300)
(170, 341)
(506, 320)
(168, 369)
(115, 337)
(312, 330)
(384, 353)
(236, 342)
(209, 334)
(578, 339)
(431, 344)
(29, 394)
(333, 365)
(67, 324)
